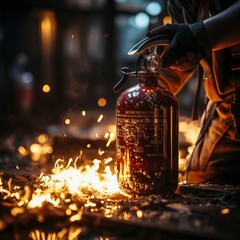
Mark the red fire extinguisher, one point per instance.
(146, 127)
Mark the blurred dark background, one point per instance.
(61, 56)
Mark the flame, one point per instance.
(69, 187)
(72, 187)
(75, 181)
(84, 182)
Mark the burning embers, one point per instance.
(82, 182)
(73, 186)
(63, 195)
(67, 182)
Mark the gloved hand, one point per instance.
(188, 44)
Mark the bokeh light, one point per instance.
(46, 88)
(67, 121)
(154, 8)
(142, 20)
(102, 102)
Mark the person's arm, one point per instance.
(223, 30)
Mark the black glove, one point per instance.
(188, 44)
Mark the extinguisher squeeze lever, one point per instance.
(149, 60)
(164, 40)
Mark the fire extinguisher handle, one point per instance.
(163, 40)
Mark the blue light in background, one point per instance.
(153, 8)
(142, 20)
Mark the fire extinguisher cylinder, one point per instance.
(147, 138)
